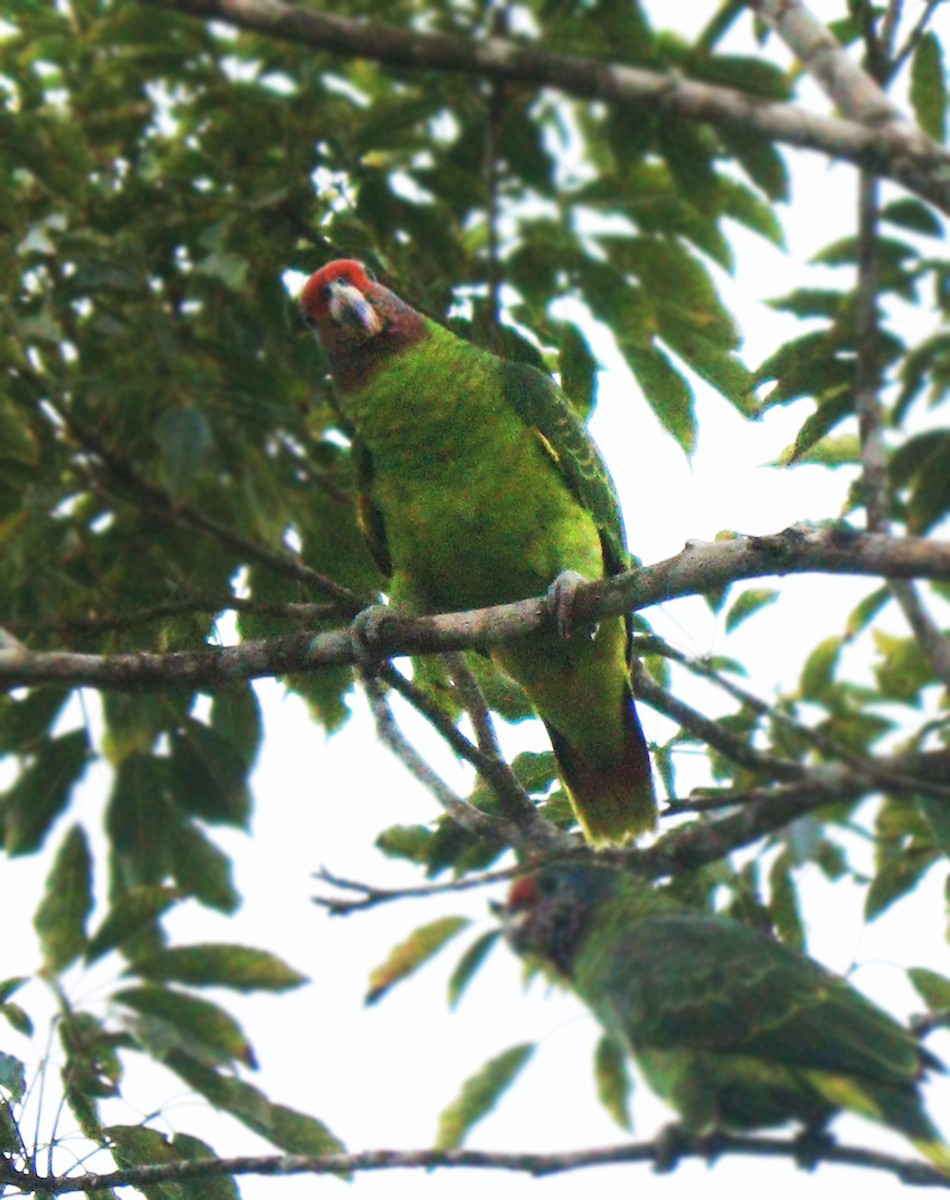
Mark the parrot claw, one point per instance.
(366, 631)
(560, 602)
(670, 1144)
(812, 1146)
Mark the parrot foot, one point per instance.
(671, 1143)
(560, 602)
(812, 1146)
(366, 633)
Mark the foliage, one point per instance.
(170, 455)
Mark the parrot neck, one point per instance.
(354, 362)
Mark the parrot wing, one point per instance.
(690, 982)
(368, 513)
(544, 408)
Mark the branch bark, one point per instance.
(709, 1148)
(699, 568)
(895, 150)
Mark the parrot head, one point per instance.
(340, 297)
(548, 912)
(358, 322)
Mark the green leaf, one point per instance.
(577, 368)
(212, 965)
(130, 914)
(912, 214)
(818, 674)
(898, 876)
(138, 1146)
(749, 602)
(18, 1018)
(932, 988)
(843, 451)
(12, 1077)
(928, 89)
(866, 610)
(208, 1187)
(469, 964)
(184, 437)
(406, 958)
(61, 917)
(612, 1077)
(832, 410)
(210, 774)
(201, 869)
(236, 716)
(905, 669)
(197, 1026)
(936, 812)
(42, 791)
(283, 1127)
(666, 391)
(479, 1095)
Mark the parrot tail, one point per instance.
(614, 802)
(898, 1107)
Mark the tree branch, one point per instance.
(709, 1148)
(701, 567)
(853, 91)
(895, 150)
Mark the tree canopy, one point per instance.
(177, 516)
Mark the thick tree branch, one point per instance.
(854, 92)
(709, 1148)
(700, 568)
(894, 150)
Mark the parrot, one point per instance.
(478, 485)
(733, 1029)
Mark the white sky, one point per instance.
(380, 1076)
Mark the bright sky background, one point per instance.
(380, 1076)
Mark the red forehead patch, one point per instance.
(313, 299)
(523, 893)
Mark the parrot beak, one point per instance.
(348, 306)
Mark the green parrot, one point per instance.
(733, 1029)
(480, 486)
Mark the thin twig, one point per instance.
(477, 823)
(523, 824)
(371, 896)
(711, 732)
(814, 737)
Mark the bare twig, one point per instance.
(299, 613)
(370, 896)
(893, 149)
(820, 741)
(520, 823)
(480, 824)
(711, 732)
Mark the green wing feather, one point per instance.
(544, 407)
(704, 983)
(368, 512)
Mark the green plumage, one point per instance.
(735, 1030)
(480, 486)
